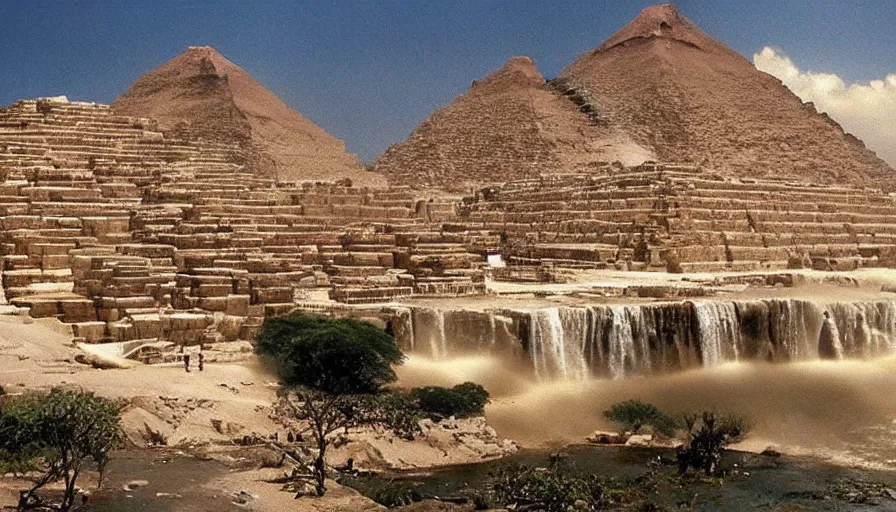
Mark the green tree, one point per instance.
(634, 414)
(328, 413)
(316, 352)
(336, 367)
(461, 401)
(66, 431)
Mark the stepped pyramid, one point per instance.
(199, 93)
(511, 125)
(687, 97)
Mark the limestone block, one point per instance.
(213, 303)
(54, 261)
(214, 290)
(77, 310)
(272, 295)
(185, 321)
(187, 336)
(147, 326)
(123, 330)
(92, 332)
(237, 305)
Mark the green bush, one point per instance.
(461, 401)
(634, 414)
(335, 355)
(555, 489)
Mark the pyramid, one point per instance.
(199, 93)
(511, 125)
(689, 98)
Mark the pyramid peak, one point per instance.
(663, 21)
(518, 71)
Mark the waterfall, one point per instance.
(619, 341)
(866, 328)
(429, 328)
(557, 349)
(719, 332)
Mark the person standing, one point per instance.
(201, 360)
(187, 362)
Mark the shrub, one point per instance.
(634, 414)
(555, 489)
(340, 356)
(734, 426)
(706, 438)
(461, 401)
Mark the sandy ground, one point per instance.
(237, 397)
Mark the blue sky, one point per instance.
(369, 71)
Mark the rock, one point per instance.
(639, 440)
(605, 437)
(135, 484)
(770, 452)
(243, 497)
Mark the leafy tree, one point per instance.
(463, 400)
(634, 414)
(337, 366)
(327, 413)
(66, 431)
(316, 352)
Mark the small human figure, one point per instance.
(201, 361)
(187, 362)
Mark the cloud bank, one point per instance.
(868, 111)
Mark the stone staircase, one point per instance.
(116, 228)
(680, 218)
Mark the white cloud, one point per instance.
(868, 111)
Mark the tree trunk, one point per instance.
(320, 472)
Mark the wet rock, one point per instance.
(639, 440)
(605, 437)
(135, 484)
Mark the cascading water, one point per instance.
(616, 341)
(720, 338)
(555, 343)
(429, 330)
(867, 328)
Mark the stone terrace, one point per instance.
(681, 218)
(127, 234)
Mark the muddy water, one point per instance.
(759, 483)
(844, 410)
(179, 479)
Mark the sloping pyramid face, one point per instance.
(201, 94)
(688, 97)
(511, 125)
